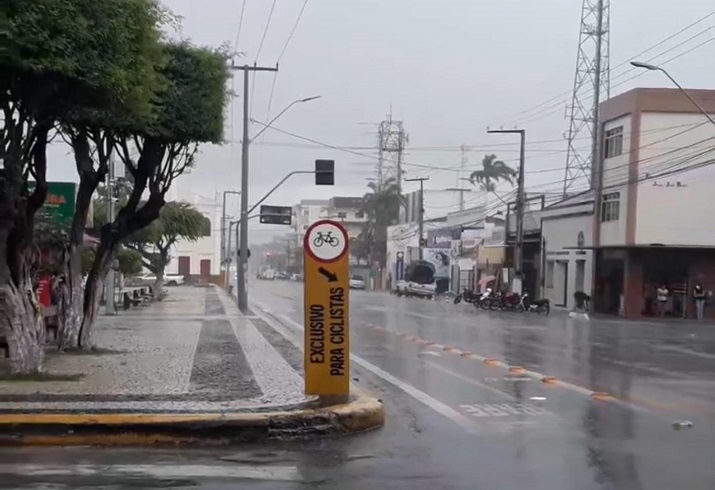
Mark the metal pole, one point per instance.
(596, 92)
(519, 255)
(243, 236)
(227, 263)
(110, 307)
(422, 212)
(223, 230)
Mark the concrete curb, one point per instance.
(42, 429)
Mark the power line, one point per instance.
(292, 32)
(265, 30)
(624, 63)
(240, 25)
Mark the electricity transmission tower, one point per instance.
(392, 140)
(592, 80)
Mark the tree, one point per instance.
(135, 55)
(56, 57)
(491, 173)
(177, 221)
(190, 110)
(382, 208)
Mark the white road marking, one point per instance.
(161, 471)
(415, 393)
(468, 380)
(276, 378)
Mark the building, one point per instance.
(567, 240)
(307, 212)
(349, 211)
(655, 223)
(202, 257)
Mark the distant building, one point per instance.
(348, 211)
(200, 258)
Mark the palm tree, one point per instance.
(382, 209)
(492, 172)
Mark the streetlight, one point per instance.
(648, 66)
(245, 143)
(268, 125)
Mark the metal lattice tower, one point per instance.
(591, 82)
(391, 147)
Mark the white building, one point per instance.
(349, 211)
(200, 258)
(307, 212)
(567, 238)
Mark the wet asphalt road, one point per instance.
(455, 422)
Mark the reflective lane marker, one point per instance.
(516, 369)
(415, 393)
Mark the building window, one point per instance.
(305, 227)
(549, 279)
(206, 227)
(306, 212)
(342, 215)
(359, 215)
(613, 142)
(611, 207)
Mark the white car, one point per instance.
(410, 288)
(169, 279)
(356, 282)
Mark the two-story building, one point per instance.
(656, 223)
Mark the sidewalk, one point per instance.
(191, 361)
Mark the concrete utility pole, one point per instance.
(422, 211)
(110, 307)
(242, 261)
(520, 198)
(224, 253)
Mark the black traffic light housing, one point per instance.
(325, 172)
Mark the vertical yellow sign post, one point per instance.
(327, 323)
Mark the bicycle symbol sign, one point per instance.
(326, 241)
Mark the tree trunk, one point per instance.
(93, 292)
(159, 285)
(70, 301)
(20, 317)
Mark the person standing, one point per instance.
(699, 297)
(662, 294)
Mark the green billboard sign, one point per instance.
(60, 202)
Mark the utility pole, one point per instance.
(242, 261)
(520, 198)
(461, 195)
(422, 211)
(110, 307)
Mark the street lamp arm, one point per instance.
(269, 123)
(648, 66)
(268, 194)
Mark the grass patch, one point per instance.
(40, 377)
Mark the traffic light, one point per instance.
(325, 172)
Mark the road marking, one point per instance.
(502, 409)
(415, 393)
(468, 380)
(250, 472)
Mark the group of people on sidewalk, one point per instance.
(664, 296)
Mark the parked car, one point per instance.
(147, 279)
(419, 280)
(357, 282)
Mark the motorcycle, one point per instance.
(538, 306)
(484, 300)
(467, 295)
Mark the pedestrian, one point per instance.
(699, 297)
(662, 294)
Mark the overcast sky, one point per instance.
(447, 68)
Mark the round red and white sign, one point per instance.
(326, 241)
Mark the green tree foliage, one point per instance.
(382, 208)
(491, 173)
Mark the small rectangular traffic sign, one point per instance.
(327, 313)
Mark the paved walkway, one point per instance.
(194, 351)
